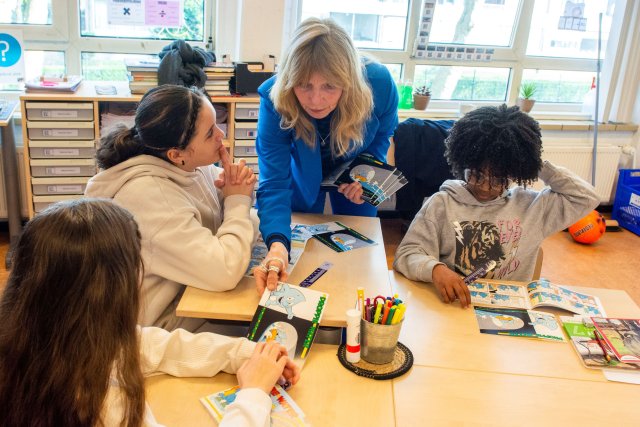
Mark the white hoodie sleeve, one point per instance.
(183, 354)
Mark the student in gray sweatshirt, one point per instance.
(484, 215)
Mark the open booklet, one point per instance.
(299, 235)
(339, 237)
(518, 322)
(289, 315)
(284, 411)
(540, 293)
(581, 332)
(379, 180)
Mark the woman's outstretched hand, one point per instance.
(273, 269)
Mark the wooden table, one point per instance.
(365, 267)
(459, 377)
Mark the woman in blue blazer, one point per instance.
(325, 106)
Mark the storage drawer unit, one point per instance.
(244, 147)
(55, 186)
(247, 111)
(59, 111)
(41, 149)
(40, 203)
(246, 130)
(60, 130)
(63, 167)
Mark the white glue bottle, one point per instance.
(353, 335)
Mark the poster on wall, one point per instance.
(155, 13)
(11, 60)
(424, 29)
(573, 17)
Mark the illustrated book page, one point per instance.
(284, 411)
(536, 294)
(289, 315)
(518, 322)
(622, 336)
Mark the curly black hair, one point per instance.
(503, 140)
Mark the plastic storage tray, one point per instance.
(60, 130)
(56, 186)
(626, 206)
(40, 203)
(80, 149)
(246, 130)
(62, 167)
(247, 111)
(60, 111)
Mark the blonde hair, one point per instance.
(322, 46)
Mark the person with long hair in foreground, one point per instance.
(71, 353)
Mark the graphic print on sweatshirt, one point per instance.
(478, 242)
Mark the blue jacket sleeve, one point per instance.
(385, 109)
(273, 146)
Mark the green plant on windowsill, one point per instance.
(526, 101)
(421, 97)
(528, 90)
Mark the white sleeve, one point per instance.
(183, 354)
(252, 408)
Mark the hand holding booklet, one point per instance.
(379, 180)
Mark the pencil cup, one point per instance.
(378, 342)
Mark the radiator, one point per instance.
(578, 160)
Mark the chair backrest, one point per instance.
(538, 267)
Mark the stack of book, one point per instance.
(53, 84)
(143, 75)
(218, 76)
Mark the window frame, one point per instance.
(64, 35)
(513, 57)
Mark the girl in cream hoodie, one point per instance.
(194, 218)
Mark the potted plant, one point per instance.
(526, 101)
(421, 97)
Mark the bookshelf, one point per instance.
(60, 132)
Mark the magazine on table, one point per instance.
(518, 322)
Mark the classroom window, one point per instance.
(558, 85)
(108, 66)
(372, 24)
(167, 20)
(34, 12)
(463, 83)
(474, 22)
(43, 62)
(569, 29)
(395, 70)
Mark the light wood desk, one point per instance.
(459, 377)
(328, 394)
(446, 336)
(365, 267)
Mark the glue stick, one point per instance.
(353, 335)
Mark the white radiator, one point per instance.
(578, 160)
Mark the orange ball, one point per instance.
(589, 229)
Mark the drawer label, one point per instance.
(61, 151)
(60, 132)
(64, 188)
(60, 114)
(63, 170)
(252, 133)
(253, 113)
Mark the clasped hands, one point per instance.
(236, 178)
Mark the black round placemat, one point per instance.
(401, 363)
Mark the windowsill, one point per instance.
(561, 121)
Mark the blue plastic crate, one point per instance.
(626, 207)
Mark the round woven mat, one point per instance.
(401, 363)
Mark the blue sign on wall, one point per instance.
(10, 50)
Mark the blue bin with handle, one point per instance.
(626, 206)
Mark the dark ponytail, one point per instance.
(166, 118)
(117, 146)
